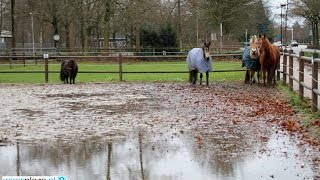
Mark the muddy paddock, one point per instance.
(223, 125)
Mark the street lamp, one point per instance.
(281, 6)
(33, 51)
(291, 29)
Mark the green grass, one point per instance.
(303, 108)
(127, 67)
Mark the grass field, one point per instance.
(127, 67)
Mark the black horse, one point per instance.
(68, 71)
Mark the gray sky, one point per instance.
(274, 7)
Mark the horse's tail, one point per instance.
(62, 75)
(75, 70)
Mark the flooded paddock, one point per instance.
(151, 131)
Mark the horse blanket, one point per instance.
(248, 62)
(196, 61)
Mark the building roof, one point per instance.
(5, 34)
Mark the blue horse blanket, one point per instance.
(196, 61)
(248, 62)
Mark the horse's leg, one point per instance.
(252, 77)
(264, 76)
(201, 76)
(207, 78)
(269, 77)
(258, 76)
(194, 76)
(190, 77)
(274, 76)
(247, 77)
(71, 79)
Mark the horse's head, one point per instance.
(254, 47)
(264, 42)
(206, 50)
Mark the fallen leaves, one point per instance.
(290, 125)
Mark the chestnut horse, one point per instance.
(250, 59)
(269, 59)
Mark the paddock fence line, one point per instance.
(119, 58)
(296, 73)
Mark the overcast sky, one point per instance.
(274, 7)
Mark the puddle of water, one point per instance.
(157, 156)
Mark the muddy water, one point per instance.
(169, 155)
(151, 131)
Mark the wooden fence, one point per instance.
(303, 63)
(120, 58)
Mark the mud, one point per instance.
(223, 123)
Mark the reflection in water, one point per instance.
(158, 156)
(18, 160)
(140, 155)
(109, 159)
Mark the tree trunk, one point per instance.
(67, 28)
(82, 37)
(56, 30)
(107, 18)
(138, 35)
(316, 34)
(179, 26)
(13, 26)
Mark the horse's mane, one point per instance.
(265, 42)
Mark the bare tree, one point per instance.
(309, 9)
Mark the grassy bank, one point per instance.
(127, 67)
(310, 120)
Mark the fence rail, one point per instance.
(119, 59)
(288, 72)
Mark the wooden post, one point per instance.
(314, 83)
(301, 75)
(290, 70)
(285, 66)
(24, 60)
(278, 71)
(46, 70)
(120, 67)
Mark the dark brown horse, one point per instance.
(269, 59)
(199, 60)
(68, 71)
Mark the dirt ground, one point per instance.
(238, 112)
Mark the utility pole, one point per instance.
(285, 32)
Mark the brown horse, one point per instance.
(269, 59)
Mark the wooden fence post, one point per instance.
(120, 67)
(290, 70)
(285, 66)
(46, 70)
(314, 83)
(24, 59)
(301, 75)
